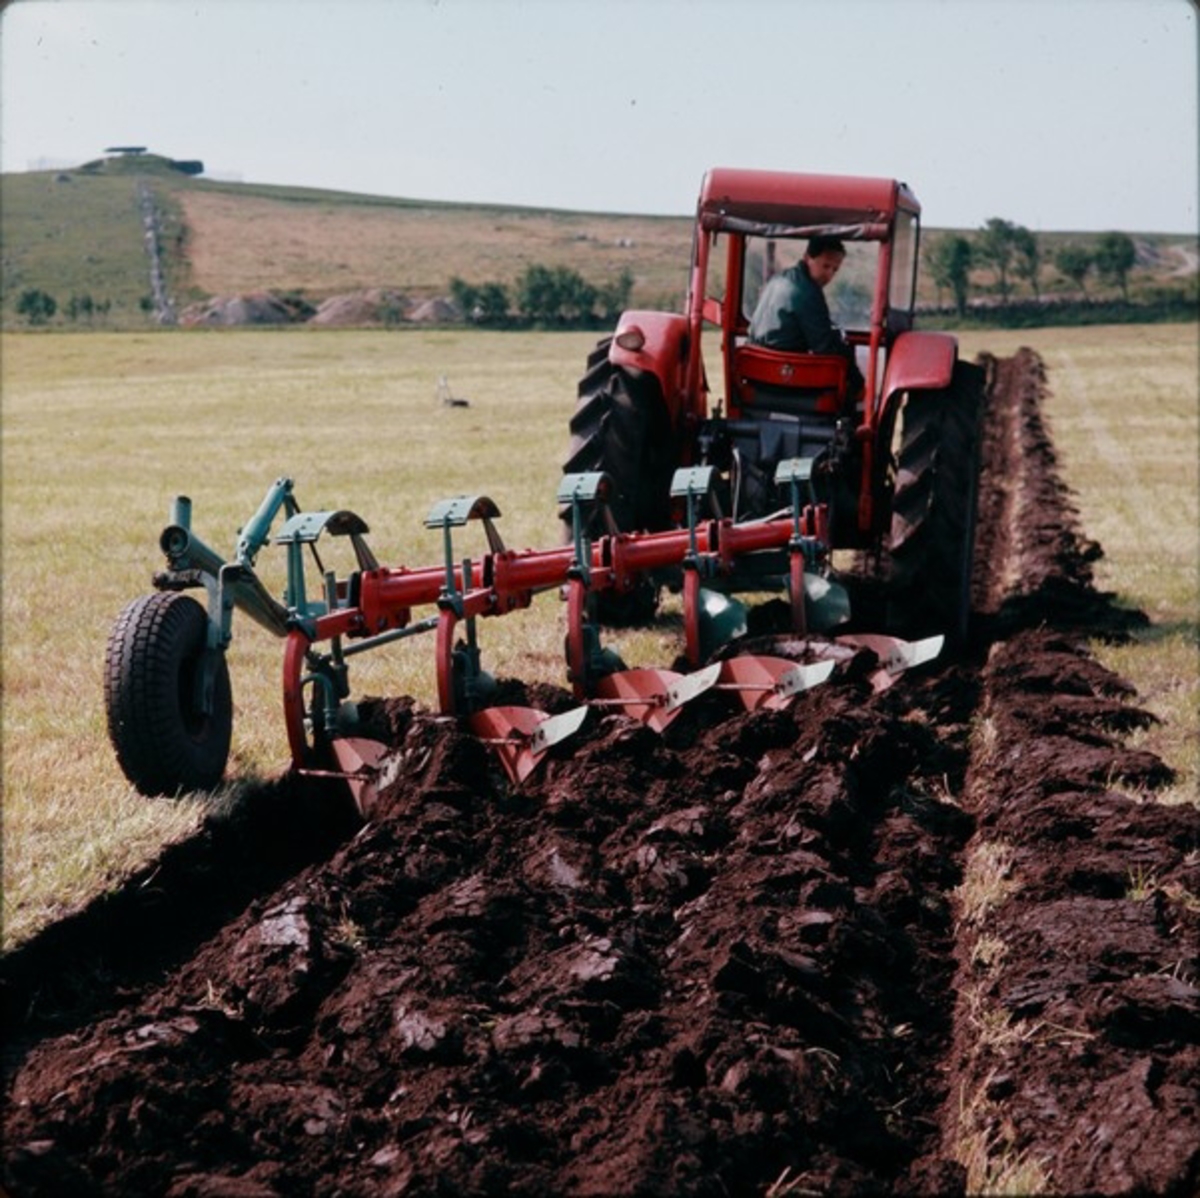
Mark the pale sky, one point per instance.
(1055, 114)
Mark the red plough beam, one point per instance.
(378, 605)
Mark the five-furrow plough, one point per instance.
(167, 690)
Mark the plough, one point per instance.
(167, 691)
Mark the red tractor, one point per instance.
(894, 473)
(662, 487)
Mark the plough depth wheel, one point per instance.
(165, 742)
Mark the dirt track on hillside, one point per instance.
(749, 953)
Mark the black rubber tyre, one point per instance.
(932, 539)
(164, 744)
(620, 425)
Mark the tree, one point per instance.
(1115, 256)
(613, 298)
(996, 245)
(36, 305)
(485, 304)
(537, 295)
(949, 260)
(551, 296)
(577, 297)
(555, 296)
(80, 305)
(1029, 257)
(465, 296)
(1074, 262)
(492, 303)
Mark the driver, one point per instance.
(792, 313)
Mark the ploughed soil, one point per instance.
(914, 942)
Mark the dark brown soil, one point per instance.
(733, 957)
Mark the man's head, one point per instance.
(823, 257)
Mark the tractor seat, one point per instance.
(772, 380)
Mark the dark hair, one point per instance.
(822, 243)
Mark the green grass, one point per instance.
(74, 235)
(99, 433)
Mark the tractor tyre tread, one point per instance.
(932, 540)
(620, 426)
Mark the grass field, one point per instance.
(1124, 411)
(76, 237)
(101, 432)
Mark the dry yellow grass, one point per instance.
(243, 243)
(1124, 412)
(100, 432)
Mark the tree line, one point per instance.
(553, 297)
(558, 297)
(39, 307)
(1011, 251)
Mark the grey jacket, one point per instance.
(792, 314)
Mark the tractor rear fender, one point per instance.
(918, 362)
(661, 350)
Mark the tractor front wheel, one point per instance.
(165, 741)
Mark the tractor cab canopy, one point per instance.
(751, 224)
(798, 205)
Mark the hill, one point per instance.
(96, 232)
(322, 243)
(82, 232)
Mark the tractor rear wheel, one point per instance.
(165, 742)
(932, 540)
(621, 426)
